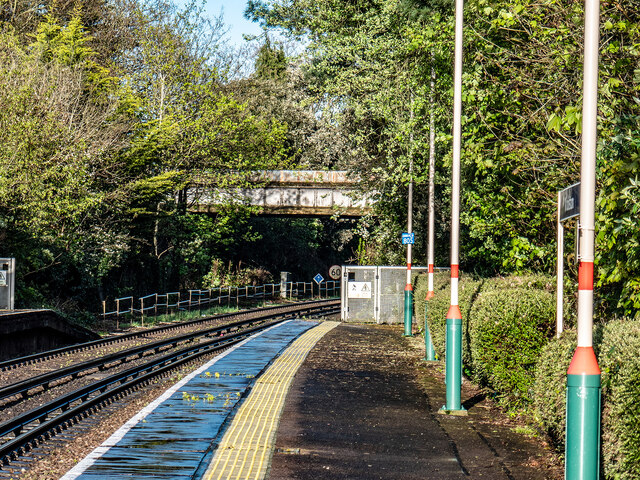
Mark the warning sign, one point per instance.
(359, 290)
(3, 278)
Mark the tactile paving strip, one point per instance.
(247, 446)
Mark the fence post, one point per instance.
(155, 308)
(104, 311)
(141, 310)
(237, 297)
(132, 308)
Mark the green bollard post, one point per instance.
(582, 447)
(429, 351)
(453, 363)
(408, 311)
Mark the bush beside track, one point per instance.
(509, 347)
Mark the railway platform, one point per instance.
(307, 400)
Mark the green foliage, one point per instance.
(438, 307)
(507, 329)
(369, 64)
(618, 235)
(550, 386)
(617, 347)
(620, 363)
(506, 323)
(271, 63)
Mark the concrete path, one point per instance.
(364, 406)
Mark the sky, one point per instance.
(233, 17)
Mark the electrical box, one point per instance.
(7, 282)
(374, 293)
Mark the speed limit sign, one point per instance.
(335, 271)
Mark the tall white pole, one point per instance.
(559, 274)
(429, 350)
(457, 139)
(582, 446)
(453, 354)
(588, 173)
(432, 168)
(408, 290)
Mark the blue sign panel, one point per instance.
(318, 279)
(408, 238)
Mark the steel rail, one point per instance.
(23, 387)
(103, 392)
(124, 380)
(38, 357)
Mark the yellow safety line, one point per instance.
(246, 447)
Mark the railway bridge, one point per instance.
(308, 193)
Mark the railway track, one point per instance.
(30, 429)
(301, 308)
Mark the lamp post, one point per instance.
(453, 353)
(582, 448)
(408, 289)
(429, 351)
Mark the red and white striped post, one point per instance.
(582, 447)
(408, 289)
(453, 353)
(429, 351)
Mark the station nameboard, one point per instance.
(569, 202)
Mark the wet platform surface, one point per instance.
(360, 404)
(175, 436)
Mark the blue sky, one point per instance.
(233, 18)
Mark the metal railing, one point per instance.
(231, 296)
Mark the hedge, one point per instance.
(439, 306)
(508, 328)
(620, 364)
(509, 345)
(550, 387)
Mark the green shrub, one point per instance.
(439, 307)
(550, 387)
(421, 287)
(620, 364)
(508, 328)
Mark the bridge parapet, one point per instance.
(311, 193)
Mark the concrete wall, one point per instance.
(32, 331)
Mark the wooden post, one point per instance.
(141, 311)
